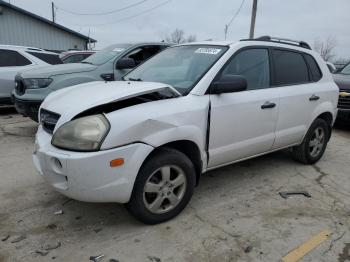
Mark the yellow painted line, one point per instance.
(306, 247)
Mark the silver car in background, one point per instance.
(108, 64)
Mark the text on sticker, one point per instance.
(209, 51)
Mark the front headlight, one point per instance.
(83, 134)
(35, 83)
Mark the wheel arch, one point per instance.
(187, 147)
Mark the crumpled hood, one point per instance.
(343, 81)
(71, 101)
(51, 70)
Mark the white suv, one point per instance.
(145, 141)
(14, 59)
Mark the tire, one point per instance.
(305, 152)
(144, 201)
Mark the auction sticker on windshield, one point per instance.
(209, 51)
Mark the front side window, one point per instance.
(143, 53)
(253, 65)
(12, 58)
(51, 59)
(181, 66)
(290, 68)
(345, 70)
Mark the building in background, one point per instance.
(20, 27)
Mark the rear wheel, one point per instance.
(163, 187)
(314, 143)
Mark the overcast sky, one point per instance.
(298, 19)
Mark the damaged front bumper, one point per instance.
(89, 176)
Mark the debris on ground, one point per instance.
(113, 260)
(17, 239)
(52, 246)
(96, 258)
(5, 237)
(51, 226)
(96, 230)
(154, 259)
(287, 194)
(66, 202)
(247, 249)
(41, 252)
(59, 212)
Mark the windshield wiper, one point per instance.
(86, 62)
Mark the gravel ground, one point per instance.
(236, 213)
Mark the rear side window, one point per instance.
(47, 58)
(253, 65)
(290, 68)
(12, 58)
(314, 68)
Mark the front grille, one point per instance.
(20, 86)
(48, 120)
(344, 102)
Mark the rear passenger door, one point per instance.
(295, 77)
(242, 124)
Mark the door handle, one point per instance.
(268, 105)
(314, 98)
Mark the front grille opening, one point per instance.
(344, 102)
(48, 120)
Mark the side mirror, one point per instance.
(125, 63)
(228, 84)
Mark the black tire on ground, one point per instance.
(301, 153)
(162, 158)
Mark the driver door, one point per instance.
(242, 124)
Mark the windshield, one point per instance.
(181, 67)
(105, 54)
(346, 70)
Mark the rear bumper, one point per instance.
(27, 108)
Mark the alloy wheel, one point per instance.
(164, 189)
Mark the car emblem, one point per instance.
(344, 94)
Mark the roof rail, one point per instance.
(280, 40)
(35, 49)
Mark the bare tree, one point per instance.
(325, 48)
(178, 37)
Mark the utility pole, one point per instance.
(252, 22)
(53, 12)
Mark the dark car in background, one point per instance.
(75, 56)
(342, 79)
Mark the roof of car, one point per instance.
(220, 43)
(25, 48)
(127, 45)
(79, 52)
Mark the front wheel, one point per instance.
(314, 143)
(163, 187)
